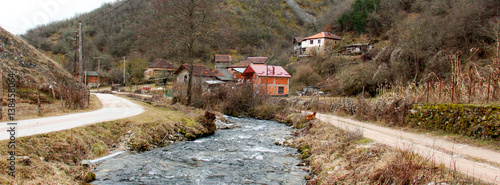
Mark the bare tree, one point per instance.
(493, 32)
(184, 23)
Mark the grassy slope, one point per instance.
(55, 156)
(31, 67)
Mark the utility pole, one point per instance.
(80, 48)
(98, 72)
(75, 66)
(124, 72)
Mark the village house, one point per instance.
(319, 44)
(160, 68)
(238, 68)
(222, 61)
(268, 79)
(92, 79)
(297, 46)
(200, 73)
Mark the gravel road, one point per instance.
(453, 155)
(113, 108)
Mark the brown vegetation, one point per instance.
(344, 157)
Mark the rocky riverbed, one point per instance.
(245, 154)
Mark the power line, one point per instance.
(107, 13)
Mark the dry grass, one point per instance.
(55, 156)
(26, 110)
(345, 157)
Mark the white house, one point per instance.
(320, 43)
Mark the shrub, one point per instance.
(470, 120)
(305, 76)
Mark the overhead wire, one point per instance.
(107, 13)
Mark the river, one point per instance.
(246, 154)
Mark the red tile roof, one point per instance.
(242, 64)
(248, 61)
(161, 63)
(326, 35)
(257, 60)
(272, 71)
(223, 58)
(198, 70)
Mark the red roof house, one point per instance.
(268, 79)
(238, 68)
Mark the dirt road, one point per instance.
(113, 108)
(453, 155)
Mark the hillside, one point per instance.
(30, 66)
(33, 71)
(412, 39)
(127, 28)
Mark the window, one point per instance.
(281, 90)
(311, 42)
(319, 41)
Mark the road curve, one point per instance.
(113, 108)
(453, 155)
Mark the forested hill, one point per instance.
(247, 28)
(412, 38)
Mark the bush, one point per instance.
(365, 77)
(305, 76)
(470, 120)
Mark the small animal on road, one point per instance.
(311, 116)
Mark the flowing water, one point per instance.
(246, 154)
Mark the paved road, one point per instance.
(113, 108)
(453, 155)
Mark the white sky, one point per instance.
(18, 16)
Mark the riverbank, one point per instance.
(54, 158)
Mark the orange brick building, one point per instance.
(274, 83)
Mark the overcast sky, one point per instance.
(18, 16)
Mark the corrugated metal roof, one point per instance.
(212, 82)
(240, 70)
(272, 71)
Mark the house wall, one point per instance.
(273, 85)
(319, 46)
(92, 81)
(222, 64)
(183, 76)
(156, 72)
